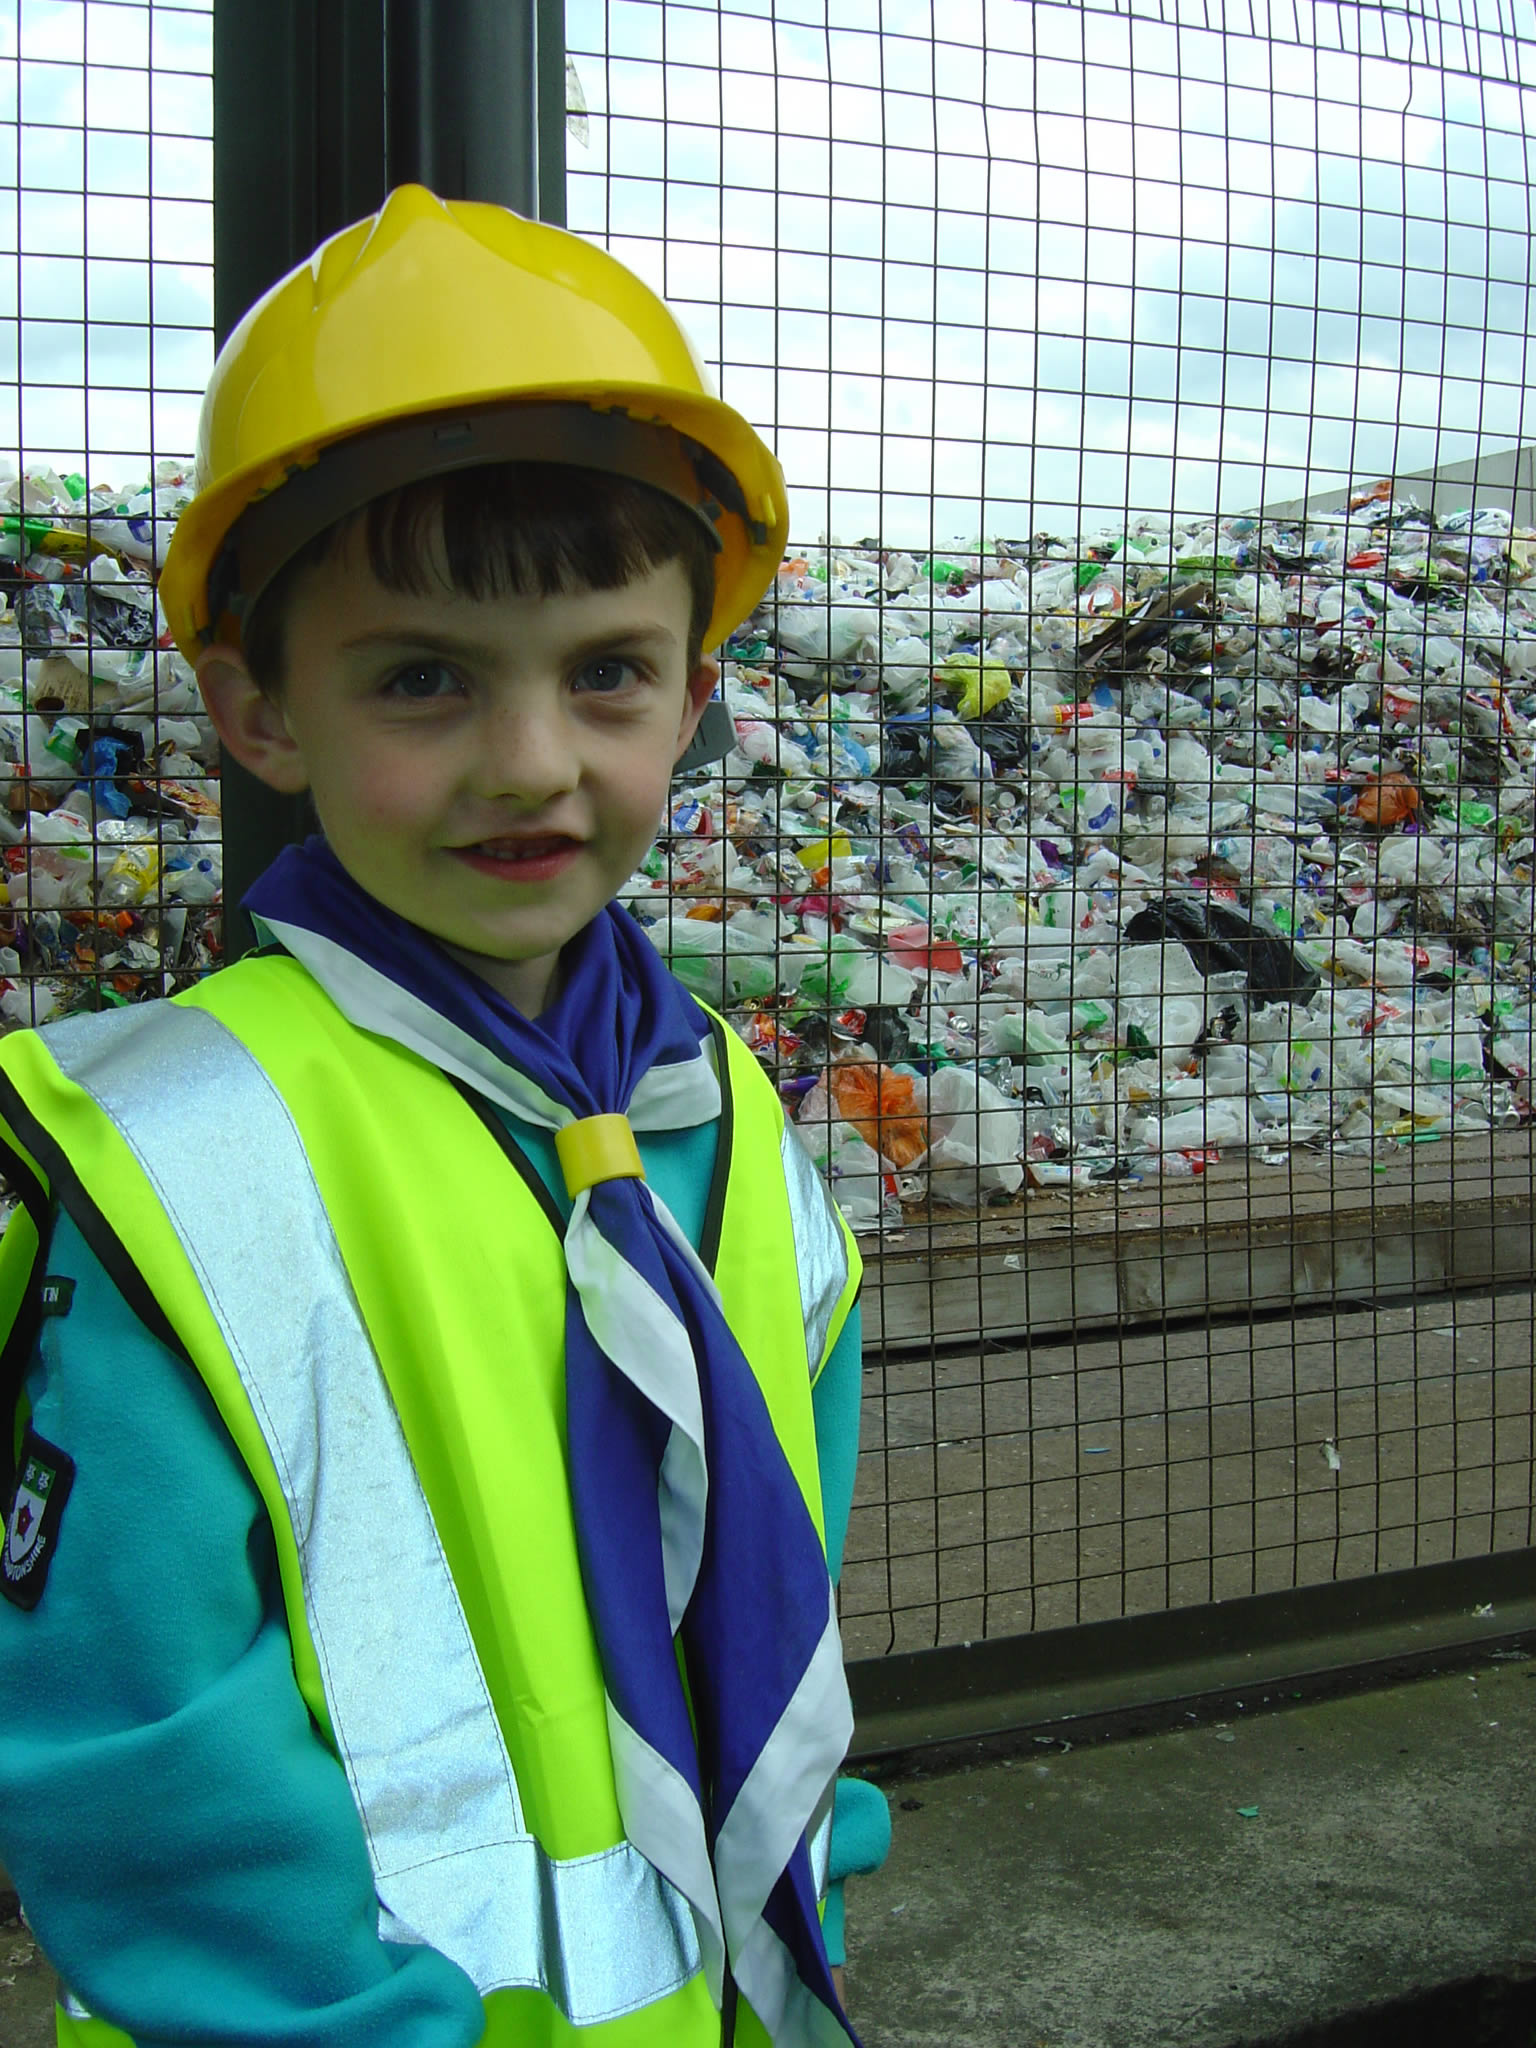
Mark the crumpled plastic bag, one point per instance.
(1387, 800)
(982, 685)
(882, 1107)
(978, 1134)
(1221, 1121)
(1222, 940)
(857, 1174)
(827, 632)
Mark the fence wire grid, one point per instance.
(1125, 865)
(111, 818)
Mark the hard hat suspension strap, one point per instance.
(352, 473)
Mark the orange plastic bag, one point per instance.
(882, 1107)
(1387, 800)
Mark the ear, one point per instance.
(701, 687)
(250, 723)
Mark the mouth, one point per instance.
(530, 857)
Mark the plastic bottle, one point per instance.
(65, 740)
(191, 882)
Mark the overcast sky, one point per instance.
(1055, 262)
(114, 289)
(1071, 257)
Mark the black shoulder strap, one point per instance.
(70, 1194)
(21, 1338)
(714, 1208)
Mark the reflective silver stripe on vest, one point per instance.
(821, 1254)
(454, 1865)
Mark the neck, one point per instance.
(530, 986)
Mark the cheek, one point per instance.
(375, 794)
(644, 794)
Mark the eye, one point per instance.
(606, 674)
(421, 681)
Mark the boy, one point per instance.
(437, 1354)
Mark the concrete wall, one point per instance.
(1505, 477)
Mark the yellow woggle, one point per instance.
(597, 1148)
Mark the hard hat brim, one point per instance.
(751, 540)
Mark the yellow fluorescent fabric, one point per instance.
(113, 1181)
(476, 1373)
(87, 2033)
(524, 2019)
(486, 1437)
(18, 1259)
(491, 1456)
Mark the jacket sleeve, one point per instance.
(185, 1844)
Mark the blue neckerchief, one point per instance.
(689, 1519)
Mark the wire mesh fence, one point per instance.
(111, 819)
(1124, 868)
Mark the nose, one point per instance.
(527, 749)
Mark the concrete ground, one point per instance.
(26, 1984)
(1300, 1875)
(1304, 1875)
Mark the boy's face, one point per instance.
(491, 770)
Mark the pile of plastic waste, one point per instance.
(109, 800)
(1087, 858)
(1055, 862)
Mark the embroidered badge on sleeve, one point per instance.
(44, 1476)
(58, 1295)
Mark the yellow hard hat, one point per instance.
(435, 335)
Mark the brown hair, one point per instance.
(526, 528)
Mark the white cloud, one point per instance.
(1112, 255)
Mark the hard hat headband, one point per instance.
(352, 473)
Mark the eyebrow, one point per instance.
(632, 632)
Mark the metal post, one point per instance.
(298, 136)
(549, 107)
(318, 111)
(469, 86)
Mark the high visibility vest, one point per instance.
(369, 1277)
